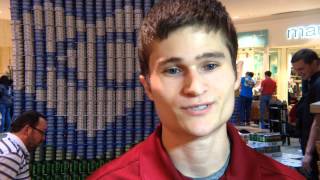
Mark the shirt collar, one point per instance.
(240, 166)
(19, 142)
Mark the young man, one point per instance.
(268, 88)
(188, 51)
(27, 133)
(246, 85)
(306, 63)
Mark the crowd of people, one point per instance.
(301, 122)
(267, 89)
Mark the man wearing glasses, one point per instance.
(26, 134)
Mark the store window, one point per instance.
(274, 61)
(252, 61)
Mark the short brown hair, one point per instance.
(169, 15)
(30, 118)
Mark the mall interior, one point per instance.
(76, 63)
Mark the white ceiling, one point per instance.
(238, 9)
(247, 9)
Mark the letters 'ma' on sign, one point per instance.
(304, 32)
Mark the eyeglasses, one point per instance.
(39, 130)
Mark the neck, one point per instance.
(21, 137)
(198, 156)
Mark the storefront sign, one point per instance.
(253, 39)
(304, 32)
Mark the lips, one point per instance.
(197, 109)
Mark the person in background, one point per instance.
(187, 52)
(268, 88)
(26, 134)
(246, 85)
(306, 63)
(5, 103)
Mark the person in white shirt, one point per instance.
(26, 134)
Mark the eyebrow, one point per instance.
(217, 55)
(170, 60)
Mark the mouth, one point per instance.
(198, 109)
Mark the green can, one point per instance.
(33, 168)
(75, 166)
(58, 168)
(65, 166)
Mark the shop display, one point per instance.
(270, 145)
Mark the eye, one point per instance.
(209, 67)
(172, 71)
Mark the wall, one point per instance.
(5, 45)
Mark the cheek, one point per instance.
(165, 89)
(221, 83)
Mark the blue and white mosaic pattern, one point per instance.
(76, 62)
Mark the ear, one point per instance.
(146, 85)
(239, 72)
(26, 131)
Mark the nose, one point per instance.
(194, 84)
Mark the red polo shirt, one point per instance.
(268, 86)
(149, 161)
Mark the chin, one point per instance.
(203, 129)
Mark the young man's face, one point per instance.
(305, 70)
(191, 81)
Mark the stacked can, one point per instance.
(101, 76)
(110, 80)
(110, 123)
(148, 112)
(70, 144)
(129, 74)
(50, 135)
(61, 79)
(91, 77)
(81, 119)
(34, 91)
(138, 112)
(138, 106)
(40, 77)
(137, 17)
(38, 154)
(51, 79)
(147, 6)
(120, 73)
(18, 57)
(60, 138)
(138, 92)
(29, 55)
(71, 79)
(81, 141)
(155, 117)
(81, 80)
